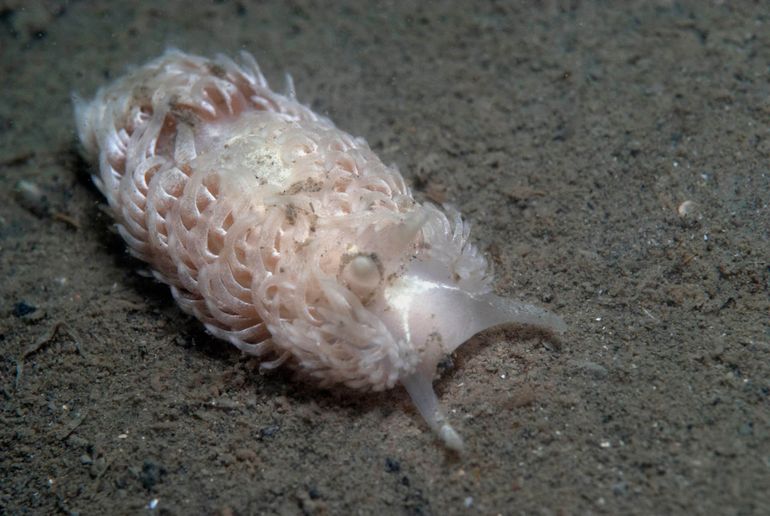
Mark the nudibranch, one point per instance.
(285, 235)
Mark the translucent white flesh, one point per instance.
(443, 316)
(420, 388)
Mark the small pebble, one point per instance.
(620, 488)
(269, 431)
(392, 465)
(21, 309)
(686, 209)
(32, 197)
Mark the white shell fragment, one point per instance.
(284, 235)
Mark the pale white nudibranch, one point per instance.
(284, 235)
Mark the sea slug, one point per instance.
(285, 235)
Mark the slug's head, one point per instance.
(429, 288)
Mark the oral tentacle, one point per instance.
(419, 385)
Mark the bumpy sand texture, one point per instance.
(285, 235)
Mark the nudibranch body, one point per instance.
(285, 235)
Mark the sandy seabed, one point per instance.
(614, 159)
